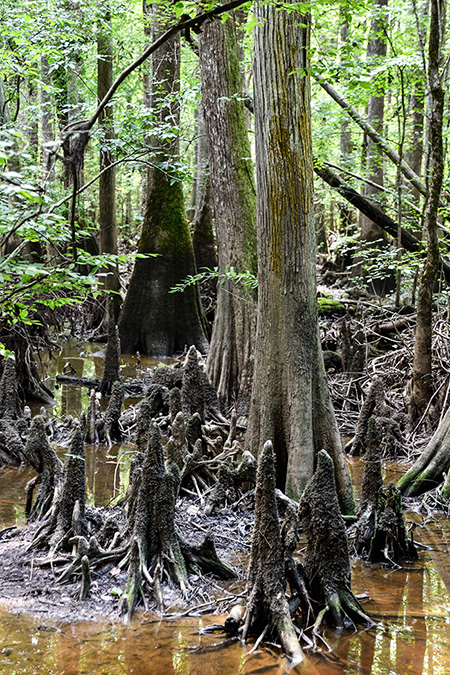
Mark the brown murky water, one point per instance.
(411, 607)
(412, 636)
(85, 359)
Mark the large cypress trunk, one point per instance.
(154, 321)
(229, 363)
(288, 363)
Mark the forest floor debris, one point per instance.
(29, 585)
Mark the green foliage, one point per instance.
(247, 279)
(381, 261)
(40, 270)
(64, 36)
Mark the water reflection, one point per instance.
(107, 471)
(411, 607)
(412, 637)
(85, 359)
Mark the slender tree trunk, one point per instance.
(30, 121)
(415, 151)
(47, 131)
(5, 117)
(345, 139)
(154, 321)
(229, 364)
(376, 51)
(107, 181)
(422, 388)
(288, 363)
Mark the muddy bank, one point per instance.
(29, 585)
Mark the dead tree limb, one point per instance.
(381, 143)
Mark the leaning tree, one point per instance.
(290, 401)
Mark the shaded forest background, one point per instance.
(127, 145)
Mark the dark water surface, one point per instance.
(412, 636)
(85, 359)
(411, 606)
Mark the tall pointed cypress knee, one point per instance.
(327, 563)
(266, 583)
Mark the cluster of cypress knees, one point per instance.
(286, 598)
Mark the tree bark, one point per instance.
(203, 237)
(152, 320)
(376, 52)
(229, 364)
(345, 137)
(422, 387)
(288, 359)
(5, 117)
(107, 180)
(47, 131)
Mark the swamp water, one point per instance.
(411, 606)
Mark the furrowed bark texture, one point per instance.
(345, 139)
(107, 180)
(39, 453)
(422, 388)
(266, 583)
(327, 561)
(376, 51)
(230, 357)
(153, 321)
(203, 238)
(288, 357)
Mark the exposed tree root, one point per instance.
(95, 555)
(111, 418)
(390, 541)
(229, 479)
(293, 569)
(69, 497)
(45, 461)
(192, 388)
(428, 470)
(379, 533)
(111, 371)
(93, 419)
